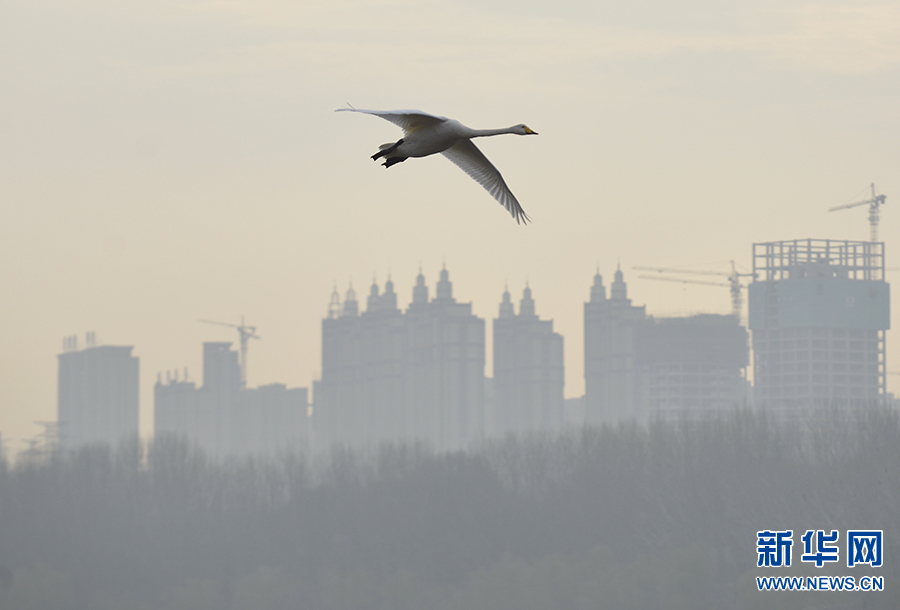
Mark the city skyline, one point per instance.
(169, 162)
(369, 356)
(181, 372)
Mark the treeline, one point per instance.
(629, 517)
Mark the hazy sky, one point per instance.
(166, 161)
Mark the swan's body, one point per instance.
(425, 134)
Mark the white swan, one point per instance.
(425, 134)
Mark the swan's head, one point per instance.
(524, 130)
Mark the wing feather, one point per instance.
(471, 160)
(407, 120)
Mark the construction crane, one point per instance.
(246, 333)
(874, 202)
(734, 282)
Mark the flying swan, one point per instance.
(425, 134)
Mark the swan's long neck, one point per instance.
(480, 133)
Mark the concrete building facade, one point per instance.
(640, 368)
(97, 399)
(611, 370)
(225, 420)
(529, 375)
(693, 366)
(389, 375)
(819, 311)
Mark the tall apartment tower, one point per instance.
(819, 310)
(218, 397)
(339, 408)
(97, 394)
(528, 370)
(381, 337)
(611, 369)
(446, 344)
(175, 408)
(389, 376)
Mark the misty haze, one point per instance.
(246, 367)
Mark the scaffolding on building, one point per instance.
(791, 259)
(819, 312)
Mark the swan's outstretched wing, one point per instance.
(472, 161)
(407, 120)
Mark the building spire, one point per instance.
(389, 298)
(334, 306)
(598, 291)
(618, 291)
(506, 306)
(374, 300)
(526, 305)
(351, 306)
(420, 290)
(444, 289)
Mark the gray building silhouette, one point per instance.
(225, 420)
(612, 376)
(389, 375)
(819, 311)
(638, 367)
(528, 370)
(693, 365)
(97, 399)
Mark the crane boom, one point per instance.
(734, 281)
(683, 280)
(246, 333)
(695, 271)
(874, 202)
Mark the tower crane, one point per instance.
(874, 202)
(246, 333)
(734, 282)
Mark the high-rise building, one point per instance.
(97, 394)
(819, 310)
(611, 370)
(176, 408)
(447, 343)
(225, 420)
(638, 367)
(270, 419)
(338, 403)
(218, 399)
(693, 366)
(388, 375)
(381, 337)
(528, 370)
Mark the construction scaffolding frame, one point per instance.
(820, 258)
(855, 260)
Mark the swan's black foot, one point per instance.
(386, 149)
(392, 160)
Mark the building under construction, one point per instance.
(641, 368)
(818, 312)
(225, 418)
